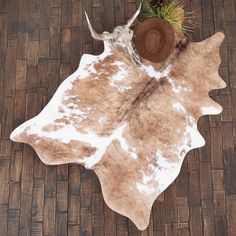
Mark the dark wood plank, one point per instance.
(53, 76)
(24, 10)
(204, 128)
(14, 195)
(5, 149)
(26, 191)
(62, 197)
(109, 221)
(10, 68)
(231, 32)
(36, 229)
(225, 100)
(231, 214)
(196, 225)
(182, 212)
(171, 229)
(66, 45)
(44, 14)
(219, 203)
(74, 179)
(149, 231)
(121, 225)
(39, 168)
(3, 43)
(77, 13)
(22, 39)
(220, 226)
(217, 180)
(16, 166)
(170, 204)
(227, 133)
(32, 79)
(44, 43)
(42, 98)
(76, 47)
(19, 115)
(55, 3)
(54, 49)
(109, 17)
(73, 230)
(205, 181)
(38, 200)
(86, 221)
(86, 201)
(50, 181)
(3, 6)
(12, 9)
(13, 218)
(74, 210)
(194, 178)
(4, 183)
(208, 217)
(65, 71)
(120, 12)
(86, 36)
(159, 214)
(229, 171)
(216, 148)
(33, 48)
(61, 224)
(34, 20)
(8, 110)
(21, 75)
(207, 16)
(98, 13)
(133, 230)
(86, 188)
(183, 232)
(3, 219)
(196, 8)
(62, 172)
(229, 6)
(42, 78)
(182, 181)
(98, 214)
(30, 110)
(66, 12)
(49, 222)
(215, 121)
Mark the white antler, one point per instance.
(121, 35)
(132, 19)
(94, 34)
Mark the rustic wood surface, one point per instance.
(41, 42)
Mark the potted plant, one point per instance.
(154, 30)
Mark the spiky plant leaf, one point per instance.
(169, 10)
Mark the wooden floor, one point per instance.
(41, 42)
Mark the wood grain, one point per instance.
(41, 43)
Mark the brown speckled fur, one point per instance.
(147, 109)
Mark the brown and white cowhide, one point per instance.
(130, 121)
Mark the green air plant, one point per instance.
(169, 10)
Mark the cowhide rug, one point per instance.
(130, 121)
